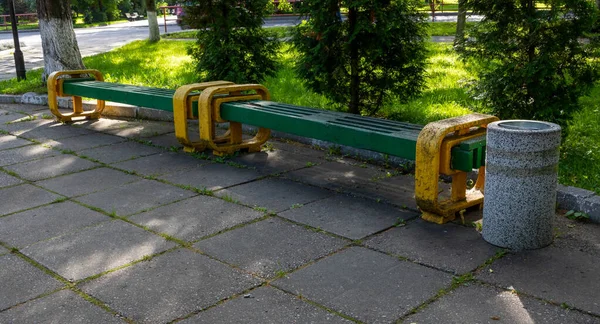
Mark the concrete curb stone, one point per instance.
(568, 198)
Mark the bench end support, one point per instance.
(434, 146)
(55, 89)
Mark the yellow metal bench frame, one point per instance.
(434, 146)
(55, 86)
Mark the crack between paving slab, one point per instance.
(314, 303)
(144, 258)
(220, 302)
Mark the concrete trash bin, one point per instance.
(520, 183)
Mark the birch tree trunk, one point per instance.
(152, 21)
(59, 44)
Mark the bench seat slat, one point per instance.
(375, 134)
(161, 99)
(330, 126)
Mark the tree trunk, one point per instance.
(152, 21)
(59, 44)
(354, 65)
(461, 21)
(598, 4)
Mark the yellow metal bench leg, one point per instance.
(209, 112)
(434, 146)
(55, 90)
(182, 111)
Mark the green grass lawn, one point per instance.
(167, 65)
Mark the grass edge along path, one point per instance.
(138, 63)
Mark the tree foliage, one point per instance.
(378, 51)
(531, 64)
(285, 6)
(232, 45)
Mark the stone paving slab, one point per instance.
(108, 126)
(366, 285)
(270, 247)
(336, 175)
(24, 154)
(274, 162)
(554, 274)
(23, 108)
(397, 190)
(212, 176)
(274, 194)
(450, 247)
(168, 286)
(51, 167)
(86, 182)
(63, 306)
(349, 216)
(479, 304)
(8, 116)
(369, 182)
(23, 197)
(49, 131)
(314, 155)
(265, 305)
(25, 228)
(26, 123)
(194, 218)
(21, 281)
(157, 164)
(10, 141)
(132, 198)
(129, 129)
(120, 152)
(8, 180)
(96, 249)
(84, 142)
(575, 235)
(166, 140)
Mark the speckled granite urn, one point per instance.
(520, 183)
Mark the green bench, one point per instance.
(453, 146)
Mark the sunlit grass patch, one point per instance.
(165, 64)
(580, 152)
(33, 83)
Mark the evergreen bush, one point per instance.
(231, 45)
(531, 63)
(359, 62)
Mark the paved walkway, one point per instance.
(107, 221)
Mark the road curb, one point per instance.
(568, 198)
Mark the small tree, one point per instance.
(531, 63)
(358, 62)
(232, 45)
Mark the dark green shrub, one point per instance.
(232, 45)
(531, 64)
(378, 51)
